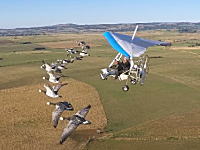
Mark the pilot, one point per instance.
(126, 64)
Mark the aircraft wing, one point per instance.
(128, 47)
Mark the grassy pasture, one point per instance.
(143, 145)
(171, 90)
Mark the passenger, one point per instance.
(117, 69)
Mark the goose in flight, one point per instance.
(52, 91)
(81, 43)
(49, 67)
(71, 51)
(60, 107)
(74, 122)
(58, 65)
(54, 78)
(65, 61)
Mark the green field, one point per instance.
(162, 114)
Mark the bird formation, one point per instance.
(54, 74)
(84, 52)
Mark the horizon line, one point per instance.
(99, 24)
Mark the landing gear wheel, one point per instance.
(125, 88)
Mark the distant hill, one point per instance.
(74, 28)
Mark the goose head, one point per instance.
(70, 107)
(43, 66)
(41, 91)
(61, 118)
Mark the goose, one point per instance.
(52, 91)
(81, 43)
(59, 65)
(79, 57)
(60, 107)
(62, 61)
(56, 66)
(46, 66)
(65, 61)
(49, 67)
(54, 78)
(74, 122)
(85, 47)
(71, 51)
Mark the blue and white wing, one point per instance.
(128, 47)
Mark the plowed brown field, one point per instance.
(26, 119)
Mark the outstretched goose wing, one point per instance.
(68, 131)
(82, 113)
(57, 87)
(49, 91)
(51, 75)
(48, 88)
(56, 115)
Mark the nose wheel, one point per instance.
(125, 88)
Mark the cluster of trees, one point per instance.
(194, 45)
(189, 30)
(182, 27)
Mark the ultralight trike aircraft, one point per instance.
(130, 47)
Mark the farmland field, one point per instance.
(162, 114)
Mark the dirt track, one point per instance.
(64, 44)
(26, 119)
(184, 48)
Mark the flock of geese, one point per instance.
(54, 71)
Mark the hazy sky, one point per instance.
(28, 13)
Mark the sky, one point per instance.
(32, 13)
